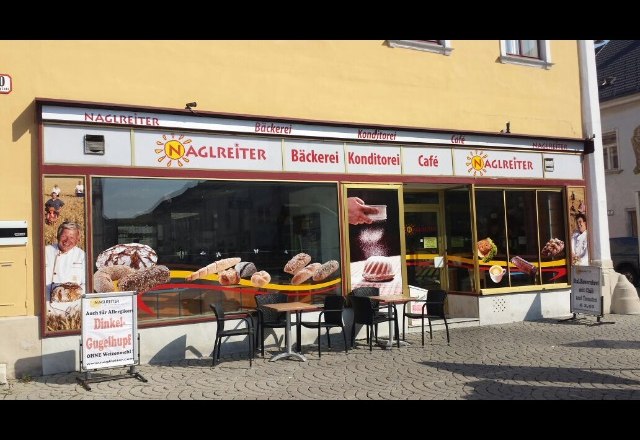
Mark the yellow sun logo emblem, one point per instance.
(476, 163)
(172, 149)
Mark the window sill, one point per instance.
(522, 61)
(421, 45)
(524, 289)
(617, 171)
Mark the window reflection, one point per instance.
(191, 223)
(528, 229)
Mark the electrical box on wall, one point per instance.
(93, 144)
(13, 233)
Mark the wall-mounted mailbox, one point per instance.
(13, 233)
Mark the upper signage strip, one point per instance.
(279, 129)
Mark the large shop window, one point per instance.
(191, 223)
(521, 237)
(459, 239)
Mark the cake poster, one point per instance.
(374, 239)
(63, 226)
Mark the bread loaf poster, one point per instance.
(64, 219)
(375, 238)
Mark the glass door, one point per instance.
(425, 257)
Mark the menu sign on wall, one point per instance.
(109, 330)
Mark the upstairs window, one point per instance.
(436, 46)
(536, 53)
(523, 48)
(610, 151)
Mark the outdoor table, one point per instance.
(391, 301)
(288, 308)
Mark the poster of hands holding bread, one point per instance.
(374, 239)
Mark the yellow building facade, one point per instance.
(360, 99)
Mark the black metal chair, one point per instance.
(368, 291)
(222, 333)
(433, 308)
(332, 312)
(364, 313)
(269, 318)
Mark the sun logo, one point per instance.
(172, 149)
(409, 229)
(476, 163)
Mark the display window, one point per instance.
(190, 223)
(521, 237)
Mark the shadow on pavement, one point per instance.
(488, 389)
(533, 374)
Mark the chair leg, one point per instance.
(430, 331)
(371, 340)
(423, 330)
(376, 332)
(328, 338)
(262, 339)
(319, 344)
(213, 355)
(353, 335)
(344, 335)
(298, 332)
(403, 327)
(446, 326)
(397, 331)
(249, 338)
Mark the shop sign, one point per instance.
(5, 83)
(314, 157)
(586, 290)
(109, 330)
(489, 163)
(286, 129)
(175, 150)
(427, 161)
(370, 159)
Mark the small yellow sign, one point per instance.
(430, 242)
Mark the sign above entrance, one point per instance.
(483, 163)
(87, 115)
(205, 151)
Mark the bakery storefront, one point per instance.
(477, 214)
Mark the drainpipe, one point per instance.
(598, 222)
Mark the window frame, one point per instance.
(544, 61)
(606, 152)
(442, 47)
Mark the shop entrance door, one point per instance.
(425, 257)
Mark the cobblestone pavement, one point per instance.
(540, 360)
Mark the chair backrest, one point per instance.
(437, 297)
(333, 302)
(270, 315)
(363, 311)
(366, 291)
(219, 312)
